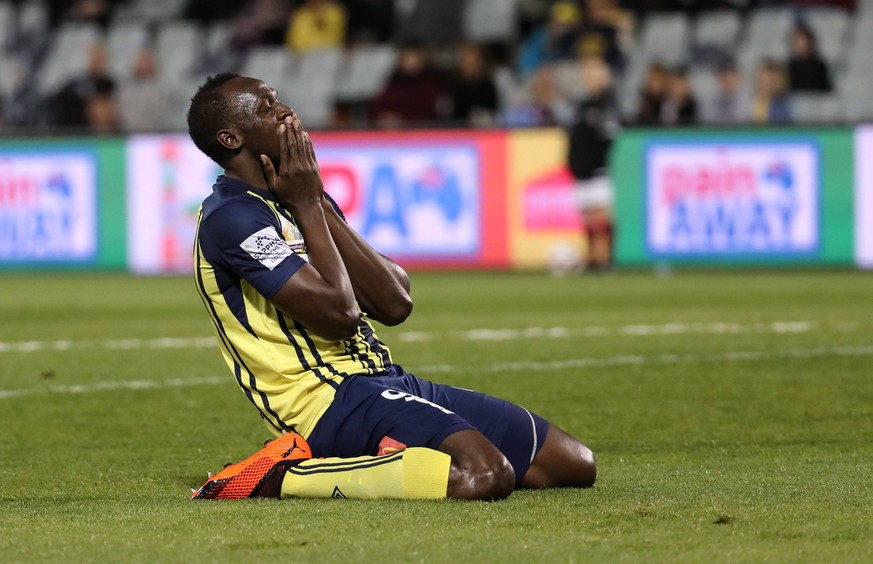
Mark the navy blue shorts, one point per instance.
(375, 414)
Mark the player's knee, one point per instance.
(585, 468)
(485, 480)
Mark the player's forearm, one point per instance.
(380, 285)
(339, 295)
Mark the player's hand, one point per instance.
(297, 184)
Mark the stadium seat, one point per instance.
(124, 40)
(32, 17)
(311, 91)
(150, 11)
(67, 55)
(704, 84)
(766, 36)
(7, 24)
(630, 84)
(569, 79)
(509, 88)
(493, 20)
(218, 37)
(6, 71)
(665, 38)
(815, 108)
(178, 48)
(856, 96)
(435, 22)
(829, 27)
(364, 72)
(179, 96)
(715, 35)
(271, 64)
(862, 36)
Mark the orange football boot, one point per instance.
(259, 475)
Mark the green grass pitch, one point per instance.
(731, 414)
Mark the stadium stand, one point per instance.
(700, 41)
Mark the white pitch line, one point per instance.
(518, 366)
(636, 330)
(626, 360)
(113, 385)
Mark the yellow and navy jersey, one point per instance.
(247, 246)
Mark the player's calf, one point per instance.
(563, 462)
(479, 471)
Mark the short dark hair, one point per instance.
(210, 112)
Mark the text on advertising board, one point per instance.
(47, 206)
(729, 199)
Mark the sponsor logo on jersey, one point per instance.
(267, 247)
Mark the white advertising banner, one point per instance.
(47, 206)
(864, 196)
(732, 199)
(167, 179)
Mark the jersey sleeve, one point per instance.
(247, 240)
(335, 206)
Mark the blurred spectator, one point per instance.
(680, 105)
(653, 94)
(554, 41)
(206, 12)
(433, 22)
(807, 71)
(23, 107)
(769, 101)
(317, 24)
(607, 30)
(370, 21)
(87, 96)
(545, 105)
(263, 22)
(101, 113)
(590, 137)
(726, 105)
(97, 11)
(474, 94)
(142, 99)
(413, 92)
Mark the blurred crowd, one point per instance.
(537, 78)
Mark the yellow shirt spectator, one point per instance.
(318, 24)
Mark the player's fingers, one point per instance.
(269, 171)
(310, 150)
(300, 142)
(284, 152)
(293, 143)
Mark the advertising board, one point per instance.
(48, 206)
(418, 197)
(864, 196)
(741, 198)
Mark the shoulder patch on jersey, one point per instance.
(267, 247)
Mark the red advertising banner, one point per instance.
(428, 199)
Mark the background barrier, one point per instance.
(735, 197)
(463, 199)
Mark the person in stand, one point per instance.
(807, 71)
(596, 123)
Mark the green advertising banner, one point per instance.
(745, 196)
(62, 203)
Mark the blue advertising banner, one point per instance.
(48, 206)
(408, 200)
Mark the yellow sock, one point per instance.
(414, 473)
